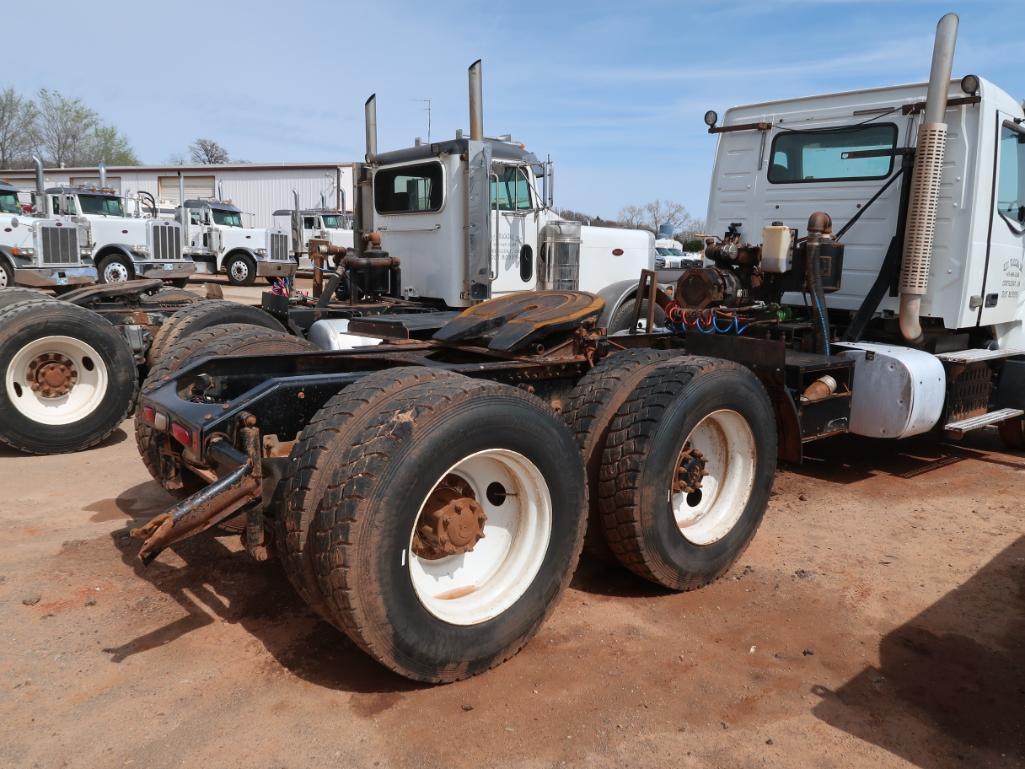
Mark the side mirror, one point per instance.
(14, 221)
(1021, 214)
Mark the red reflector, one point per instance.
(149, 414)
(181, 434)
(617, 252)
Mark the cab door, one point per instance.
(1003, 299)
(515, 220)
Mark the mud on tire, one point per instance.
(322, 446)
(684, 536)
(67, 378)
(589, 412)
(430, 439)
(203, 314)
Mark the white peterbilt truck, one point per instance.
(122, 247)
(305, 224)
(218, 242)
(41, 251)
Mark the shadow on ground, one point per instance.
(955, 673)
(214, 580)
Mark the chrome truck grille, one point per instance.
(59, 245)
(278, 247)
(559, 263)
(167, 241)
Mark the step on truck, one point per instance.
(429, 497)
(123, 247)
(39, 250)
(219, 243)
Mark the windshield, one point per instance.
(333, 222)
(9, 203)
(101, 205)
(227, 218)
(1011, 177)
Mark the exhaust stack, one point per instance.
(370, 120)
(184, 218)
(476, 102)
(920, 234)
(42, 203)
(103, 175)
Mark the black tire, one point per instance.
(240, 269)
(24, 323)
(227, 339)
(6, 275)
(324, 443)
(640, 462)
(203, 314)
(15, 294)
(366, 519)
(623, 318)
(589, 412)
(1012, 433)
(111, 263)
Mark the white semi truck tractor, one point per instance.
(123, 247)
(328, 225)
(219, 242)
(437, 490)
(41, 251)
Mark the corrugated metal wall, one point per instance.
(257, 191)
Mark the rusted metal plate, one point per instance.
(513, 322)
(111, 290)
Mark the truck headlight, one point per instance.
(261, 252)
(142, 250)
(19, 251)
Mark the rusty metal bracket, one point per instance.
(206, 507)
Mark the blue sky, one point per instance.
(614, 92)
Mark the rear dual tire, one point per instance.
(434, 617)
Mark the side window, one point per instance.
(309, 223)
(409, 189)
(1011, 176)
(512, 189)
(824, 155)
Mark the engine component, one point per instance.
(777, 248)
(701, 287)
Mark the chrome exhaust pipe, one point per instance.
(183, 212)
(476, 102)
(370, 119)
(42, 202)
(920, 234)
(103, 174)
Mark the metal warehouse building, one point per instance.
(257, 188)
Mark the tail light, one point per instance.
(181, 434)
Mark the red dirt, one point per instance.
(877, 620)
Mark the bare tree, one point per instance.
(207, 152)
(66, 128)
(18, 133)
(653, 215)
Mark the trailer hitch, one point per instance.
(214, 503)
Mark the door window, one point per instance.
(512, 189)
(1011, 177)
(409, 189)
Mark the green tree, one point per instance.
(66, 128)
(111, 146)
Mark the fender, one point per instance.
(614, 295)
(108, 248)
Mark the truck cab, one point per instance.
(40, 252)
(122, 247)
(327, 224)
(219, 243)
(471, 218)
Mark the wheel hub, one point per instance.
(690, 469)
(52, 375)
(452, 521)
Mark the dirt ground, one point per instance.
(877, 620)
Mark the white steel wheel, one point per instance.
(497, 503)
(238, 270)
(4, 283)
(56, 380)
(115, 272)
(719, 459)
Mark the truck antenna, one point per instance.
(427, 109)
